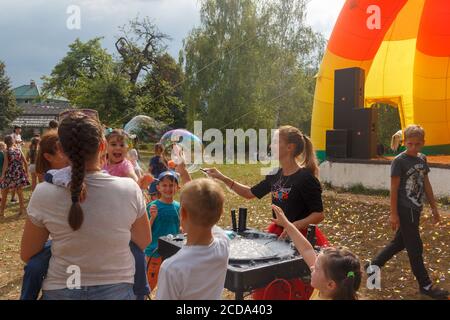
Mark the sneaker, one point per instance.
(435, 293)
(13, 200)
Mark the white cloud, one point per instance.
(37, 37)
(34, 35)
(322, 15)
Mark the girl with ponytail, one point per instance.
(94, 235)
(335, 272)
(294, 187)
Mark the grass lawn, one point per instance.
(356, 221)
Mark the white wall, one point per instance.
(376, 176)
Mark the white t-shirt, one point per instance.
(196, 272)
(16, 137)
(100, 248)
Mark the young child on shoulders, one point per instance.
(198, 270)
(335, 272)
(117, 163)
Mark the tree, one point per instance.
(8, 107)
(222, 67)
(389, 123)
(85, 61)
(141, 80)
(296, 52)
(111, 95)
(139, 46)
(161, 92)
(255, 60)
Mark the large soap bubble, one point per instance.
(181, 145)
(145, 129)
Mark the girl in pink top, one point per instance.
(117, 164)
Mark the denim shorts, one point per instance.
(121, 291)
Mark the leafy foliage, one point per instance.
(255, 60)
(8, 108)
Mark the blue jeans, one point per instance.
(121, 291)
(36, 270)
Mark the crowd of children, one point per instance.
(133, 209)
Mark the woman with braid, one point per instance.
(91, 257)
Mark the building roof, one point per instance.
(38, 116)
(31, 92)
(44, 109)
(26, 92)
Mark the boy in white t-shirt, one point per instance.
(198, 270)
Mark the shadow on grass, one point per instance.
(12, 218)
(10, 286)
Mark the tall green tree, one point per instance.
(88, 76)
(140, 45)
(389, 124)
(161, 92)
(251, 64)
(140, 80)
(293, 58)
(84, 61)
(8, 107)
(221, 66)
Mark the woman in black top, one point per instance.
(294, 187)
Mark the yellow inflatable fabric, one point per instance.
(404, 48)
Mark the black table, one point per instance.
(246, 276)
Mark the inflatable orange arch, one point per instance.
(406, 58)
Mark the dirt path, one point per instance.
(358, 222)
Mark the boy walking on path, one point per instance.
(409, 186)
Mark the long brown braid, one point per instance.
(80, 137)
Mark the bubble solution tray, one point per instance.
(256, 259)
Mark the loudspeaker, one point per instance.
(348, 95)
(338, 143)
(364, 133)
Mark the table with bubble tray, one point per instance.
(246, 275)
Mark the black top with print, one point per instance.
(412, 172)
(299, 194)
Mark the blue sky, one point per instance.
(34, 35)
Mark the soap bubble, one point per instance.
(145, 129)
(181, 145)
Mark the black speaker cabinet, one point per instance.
(348, 95)
(364, 133)
(338, 143)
